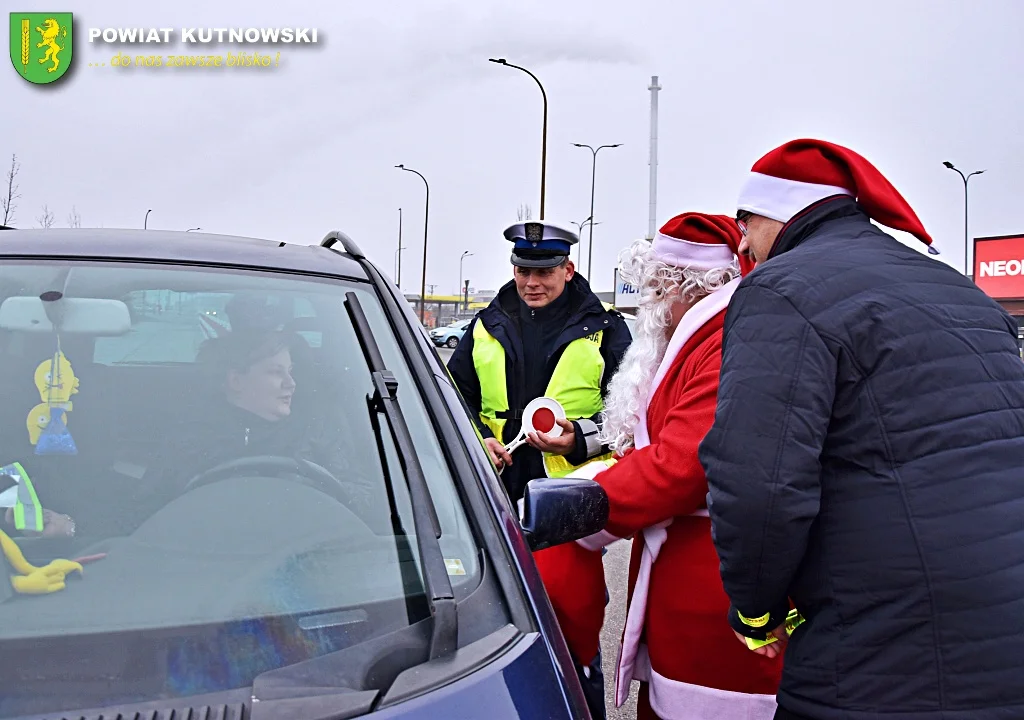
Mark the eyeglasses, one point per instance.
(742, 226)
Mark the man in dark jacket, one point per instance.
(546, 334)
(866, 457)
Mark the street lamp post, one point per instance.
(579, 248)
(544, 135)
(965, 178)
(191, 229)
(593, 178)
(398, 253)
(464, 255)
(398, 265)
(145, 223)
(426, 215)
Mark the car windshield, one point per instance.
(200, 441)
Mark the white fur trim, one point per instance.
(674, 700)
(597, 541)
(781, 199)
(654, 537)
(686, 254)
(694, 319)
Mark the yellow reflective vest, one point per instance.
(575, 384)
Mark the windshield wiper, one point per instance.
(426, 525)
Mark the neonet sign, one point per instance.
(999, 266)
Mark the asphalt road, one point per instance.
(616, 571)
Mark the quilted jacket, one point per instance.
(867, 462)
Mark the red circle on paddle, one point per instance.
(543, 420)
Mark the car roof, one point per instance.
(177, 246)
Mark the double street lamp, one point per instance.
(593, 177)
(965, 178)
(544, 136)
(579, 249)
(426, 214)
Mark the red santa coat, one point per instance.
(676, 637)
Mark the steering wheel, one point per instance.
(308, 472)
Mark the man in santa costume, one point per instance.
(677, 640)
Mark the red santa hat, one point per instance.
(802, 172)
(701, 242)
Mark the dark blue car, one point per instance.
(271, 497)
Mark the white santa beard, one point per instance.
(629, 390)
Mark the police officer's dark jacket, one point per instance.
(583, 316)
(867, 461)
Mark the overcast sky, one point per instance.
(291, 152)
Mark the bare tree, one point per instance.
(7, 200)
(524, 213)
(74, 219)
(46, 219)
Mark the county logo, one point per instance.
(41, 45)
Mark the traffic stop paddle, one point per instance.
(541, 415)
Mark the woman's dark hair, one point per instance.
(240, 350)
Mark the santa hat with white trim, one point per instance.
(700, 242)
(802, 172)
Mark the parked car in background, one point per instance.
(450, 335)
(354, 554)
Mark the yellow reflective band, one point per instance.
(754, 622)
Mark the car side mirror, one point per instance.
(562, 510)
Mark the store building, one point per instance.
(999, 271)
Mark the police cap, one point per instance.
(540, 244)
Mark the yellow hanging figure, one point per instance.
(55, 379)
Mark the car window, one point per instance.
(164, 374)
(159, 311)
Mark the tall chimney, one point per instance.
(652, 218)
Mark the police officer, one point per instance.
(546, 334)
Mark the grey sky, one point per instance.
(292, 152)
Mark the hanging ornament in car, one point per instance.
(47, 425)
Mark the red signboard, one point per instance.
(999, 266)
